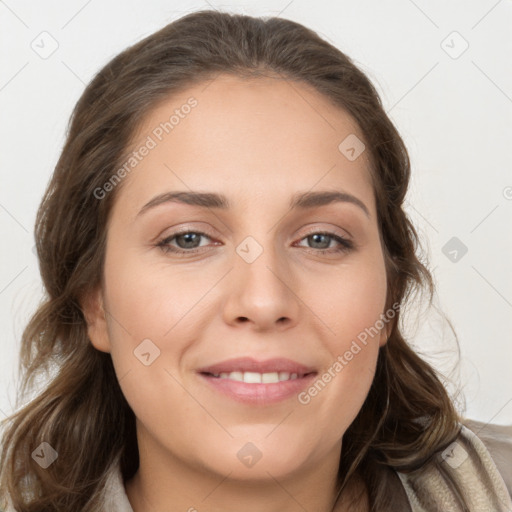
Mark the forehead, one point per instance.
(256, 136)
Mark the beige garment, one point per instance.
(481, 467)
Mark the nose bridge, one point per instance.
(259, 264)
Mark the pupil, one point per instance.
(189, 240)
(315, 239)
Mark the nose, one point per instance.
(262, 293)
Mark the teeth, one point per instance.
(257, 378)
(253, 377)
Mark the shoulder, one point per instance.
(114, 494)
(498, 442)
(476, 465)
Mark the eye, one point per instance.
(321, 241)
(186, 241)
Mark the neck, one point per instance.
(166, 483)
(354, 497)
(201, 492)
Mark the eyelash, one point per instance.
(345, 244)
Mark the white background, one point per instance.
(455, 115)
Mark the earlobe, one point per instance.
(384, 335)
(383, 339)
(95, 316)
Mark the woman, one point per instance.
(225, 256)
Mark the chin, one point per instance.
(262, 471)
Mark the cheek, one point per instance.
(352, 306)
(340, 389)
(350, 301)
(151, 300)
(148, 329)
(144, 325)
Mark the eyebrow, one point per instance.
(301, 200)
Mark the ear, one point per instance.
(94, 313)
(383, 337)
(385, 333)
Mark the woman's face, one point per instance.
(254, 277)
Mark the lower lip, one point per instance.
(259, 394)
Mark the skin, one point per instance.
(258, 142)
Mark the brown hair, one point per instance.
(82, 413)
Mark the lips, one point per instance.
(257, 383)
(248, 364)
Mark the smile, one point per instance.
(258, 389)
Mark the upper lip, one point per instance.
(248, 364)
